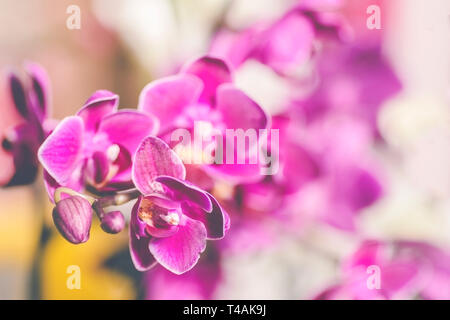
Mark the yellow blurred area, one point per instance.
(96, 281)
(20, 224)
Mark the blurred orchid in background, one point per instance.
(31, 100)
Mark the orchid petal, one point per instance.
(154, 158)
(215, 222)
(99, 105)
(180, 252)
(184, 191)
(128, 128)
(61, 152)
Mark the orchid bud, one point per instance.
(113, 222)
(73, 217)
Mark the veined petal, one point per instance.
(179, 253)
(184, 191)
(99, 105)
(128, 128)
(168, 97)
(154, 158)
(238, 110)
(213, 72)
(61, 152)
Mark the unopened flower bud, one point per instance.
(113, 222)
(73, 217)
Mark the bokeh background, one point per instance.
(123, 45)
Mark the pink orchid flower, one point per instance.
(94, 148)
(172, 220)
(203, 91)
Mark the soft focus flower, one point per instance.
(31, 99)
(284, 44)
(94, 148)
(406, 270)
(172, 220)
(203, 93)
(354, 80)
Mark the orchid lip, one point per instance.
(161, 216)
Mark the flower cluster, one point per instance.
(103, 156)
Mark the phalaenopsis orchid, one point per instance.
(102, 157)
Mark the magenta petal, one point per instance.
(216, 222)
(99, 105)
(154, 158)
(184, 191)
(61, 152)
(166, 98)
(238, 110)
(139, 241)
(213, 72)
(288, 43)
(128, 128)
(180, 252)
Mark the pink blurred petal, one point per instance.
(167, 98)
(238, 110)
(213, 72)
(235, 173)
(40, 88)
(288, 43)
